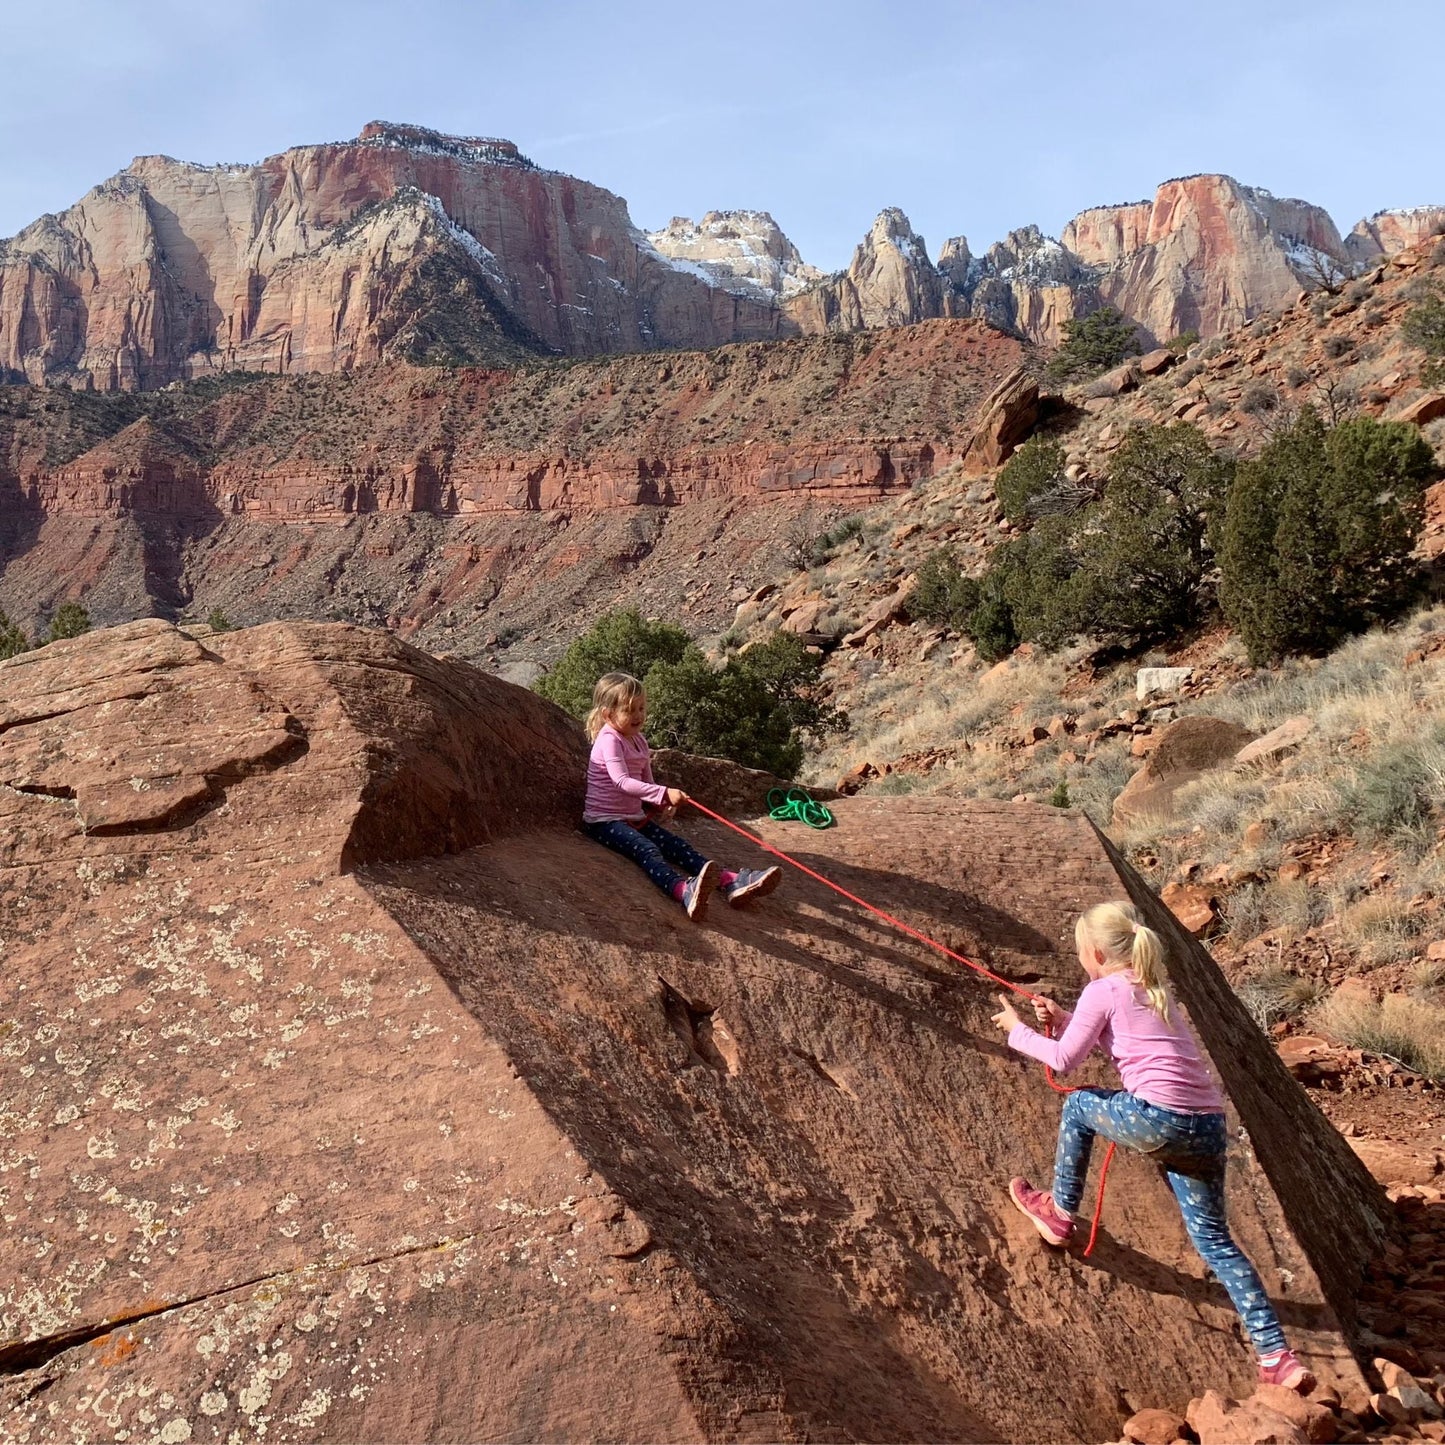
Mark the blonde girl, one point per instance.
(1169, 1108)
(621, 789)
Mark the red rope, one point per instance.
(943, 949)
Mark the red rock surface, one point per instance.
(368, 1100)
(1206, 254)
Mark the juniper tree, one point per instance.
(1319, 532)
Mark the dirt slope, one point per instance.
(350, 1093)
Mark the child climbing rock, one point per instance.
(620, 789)
(1169, 1108)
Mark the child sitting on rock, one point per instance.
(620, 789)
(1170, 1108)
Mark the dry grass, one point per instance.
(1408, 1030)
(1273, 994)
(1428, 979)
(1381, 928)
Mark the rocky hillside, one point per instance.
(465, 505)
(408, 244)
(1342, 353)
(1291, 816)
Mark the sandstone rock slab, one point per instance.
(379, 1102)
(1006, 419)
(1289, 734)
(1187, 749)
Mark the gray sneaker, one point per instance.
(696, 890)
(752, 883)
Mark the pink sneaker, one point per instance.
(1045, 1216)
(1285, 1369)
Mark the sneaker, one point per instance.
(1056, 1227)
(752, 883)
(696, 890)
(1286, 1370)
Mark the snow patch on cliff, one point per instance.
(468, 242)
(742, 252)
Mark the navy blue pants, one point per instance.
(1189, 1150)
(652, 848)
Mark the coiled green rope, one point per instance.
(795, 805)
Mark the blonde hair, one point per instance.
(613, 692)
(1119, 932)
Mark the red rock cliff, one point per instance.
(330, 256)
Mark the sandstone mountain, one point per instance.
(400, 243)
(1207, 254)
(352, 1094)
(408, 244)
(889, 282)
(741, 251)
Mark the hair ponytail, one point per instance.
(1120, 933)
(1147, 956)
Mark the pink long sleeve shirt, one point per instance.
(1161, 1064)
(619, 779)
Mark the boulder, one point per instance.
(1425, 409)
(1149, 680)
(1219, 1420)
(1312, 1060)
(1116, 382)
(1005, 422)
(1393, 1163)
(1187, 750)
(1287, 735)
(1193, 906)
(1156, 362)
(1155, 1427)
(397, 1109)
(877, 617)
(1318, 1422)
(804, 619)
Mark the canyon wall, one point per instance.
(408, 244)
(329, 256)
(468, 502)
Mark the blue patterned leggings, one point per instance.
(1189, 1150)
(652, 848)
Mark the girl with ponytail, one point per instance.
(1169, 1108)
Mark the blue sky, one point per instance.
(974, 117)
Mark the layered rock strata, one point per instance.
(402, 242)
(1206, 254)
(405, 243)
(460, 505)
(358, 1096)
